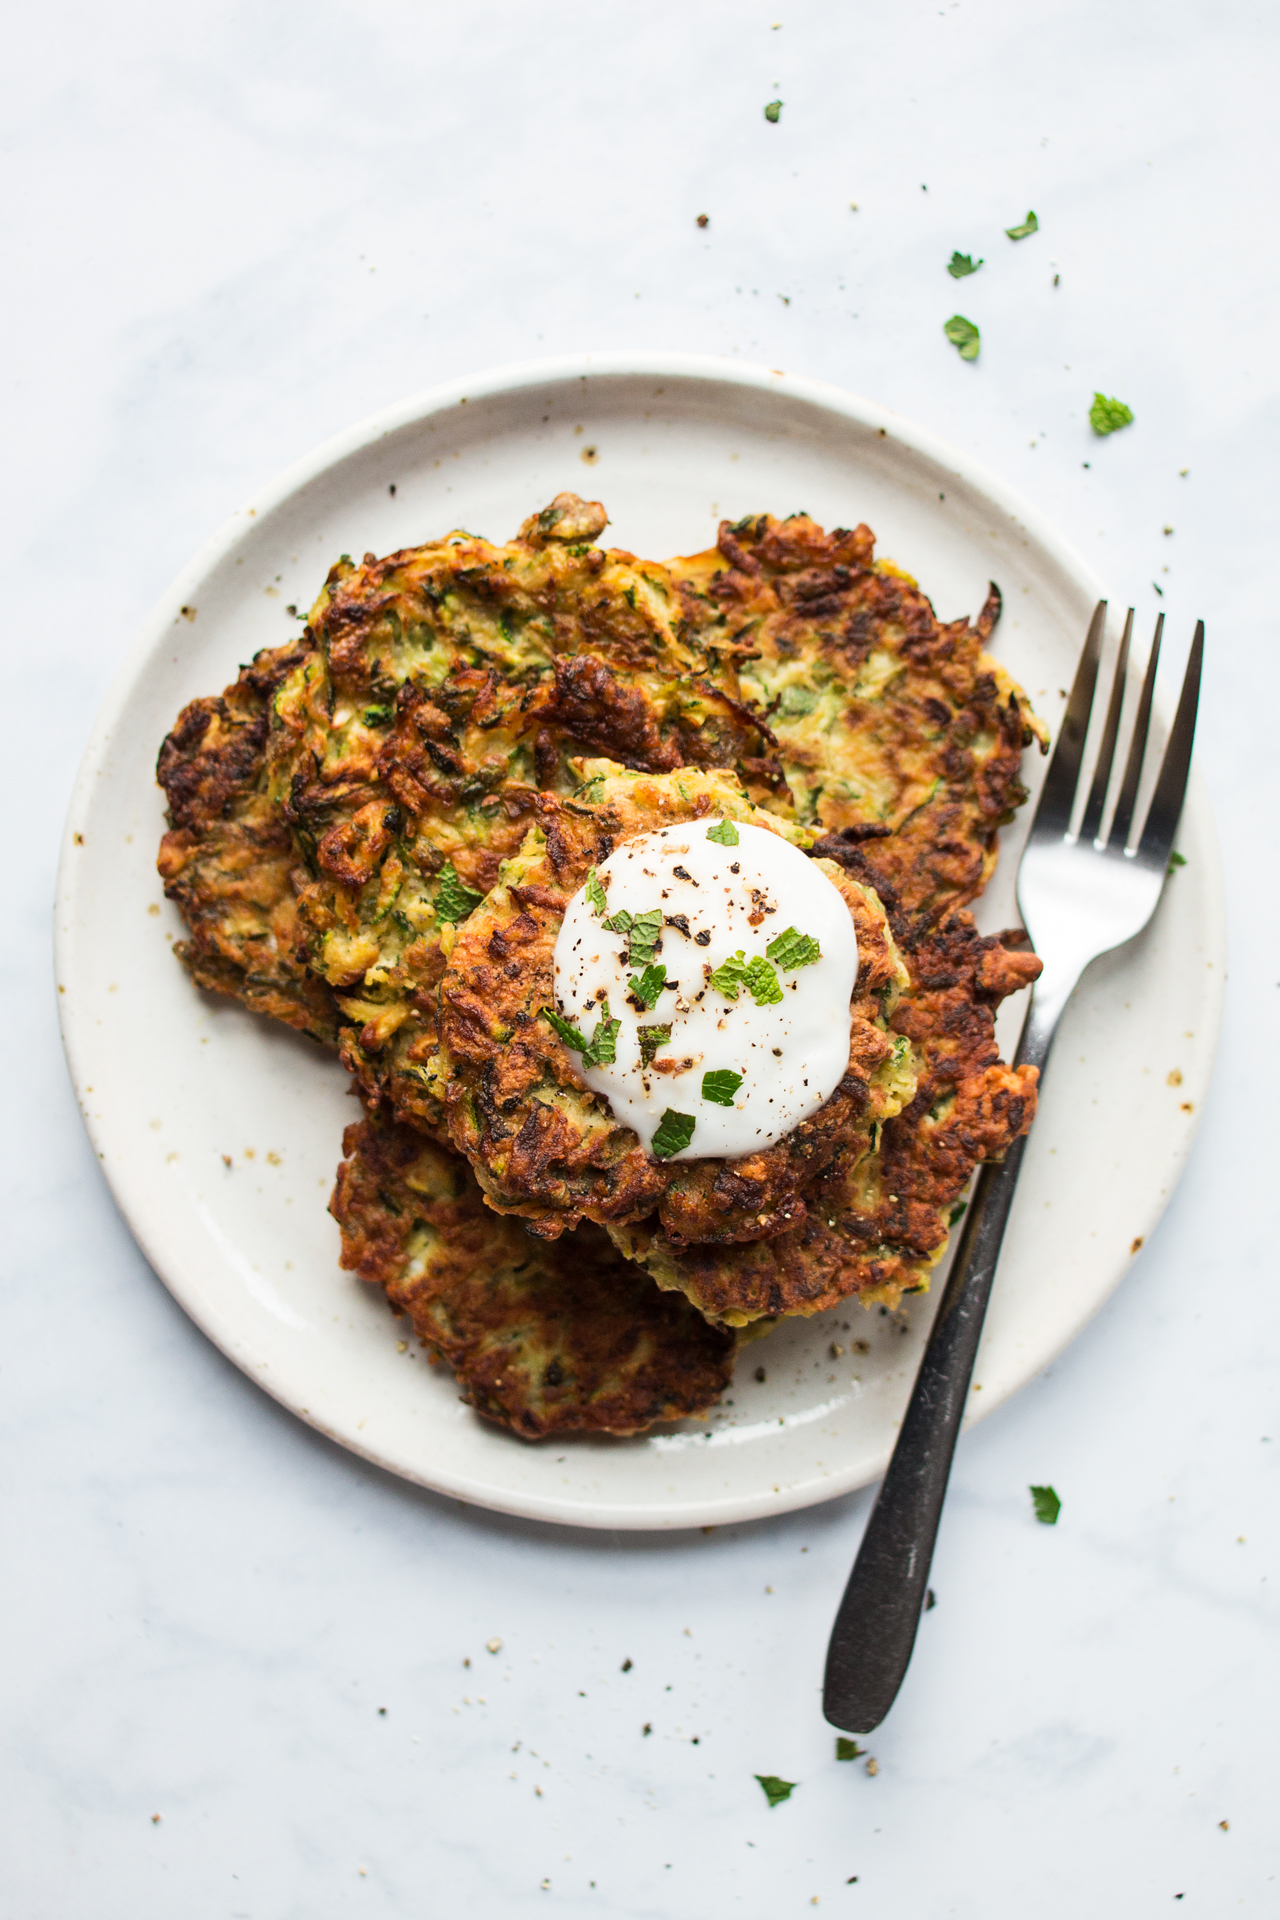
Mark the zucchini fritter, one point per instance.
(896, 732)
(545, 1146)
(227, 857)
(543, 1338)
(876, 1225)
(448, 685)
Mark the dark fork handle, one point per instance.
(875, 1629)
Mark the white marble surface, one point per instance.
(230, 232)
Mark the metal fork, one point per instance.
(1080, 894)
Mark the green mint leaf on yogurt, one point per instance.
(1176, 860)
(595, 893)
(673, 1134)
(604, 1041)
(962, 264)
(775, 1790)
(645, 987)
(763, 983)
(720, 1087)
(847, 1749)
(651, 1038)
(646, 929)
(1108, 416)
(773, 111)
(963, 334)
(793, 949)
(1029, 225)
(730, 976)
(724, 833)
(1047, 1505)
(454, 901)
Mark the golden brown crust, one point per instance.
(545, 1146)
(227, 858)
(544, 1339)
(876, 1225)
(893, 728)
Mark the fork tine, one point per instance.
(1097, 800)
(1166, 801)
(1057, 796)
(1122, 819)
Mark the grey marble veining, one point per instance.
(229, 234)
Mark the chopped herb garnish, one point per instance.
(757, 976)
(1108, 416)
(1029, 225)
(455, 901)
(1176, 860)
(645, 987)
(763, 984)
(962, 264)
(724, 833)
(601, 1047)
(673, 1134)
(720, 1087)
(791, 950)
(642, 931)
(595, 893)
(772, 112)
(377, 716)
(1047, 1505)
(957, 1212)
(963, 334)
(651, 1038)
(775, 1790)
(847, 1749)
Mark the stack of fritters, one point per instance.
(374, 836)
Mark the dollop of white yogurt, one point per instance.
(716, 902)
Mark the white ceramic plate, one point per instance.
(171, 1080)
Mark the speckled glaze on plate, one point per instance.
(219, 1132)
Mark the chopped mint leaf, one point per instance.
(1176, 860)
(455, 901)
(651, 1038)
(674, 1132)
(645, 987)
(1108, 416)
(963, 334)
(763, 983)
(566, 1030)
(791, 950)
(724, 833)
(957, 1212)
(603, 1044)
(962, 264)
(642, 931)
(730, 977)
(772, 112)
(1047, 1505)
(595, 893)
(775, 1790)
(377, 716)
(848, 1749)
(720, 1087)
(1029, 225)
(757, 976)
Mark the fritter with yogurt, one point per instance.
(544, 1338)
(544, 1142)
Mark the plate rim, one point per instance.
(514, 378)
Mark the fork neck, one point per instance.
(1049, 997)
